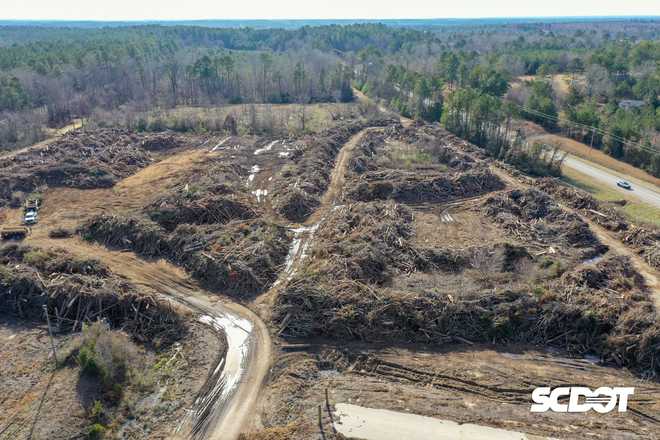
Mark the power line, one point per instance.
(650, 149)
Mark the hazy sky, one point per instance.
(273, 9)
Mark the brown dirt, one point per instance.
(467, 384)
(68, 207)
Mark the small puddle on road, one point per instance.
(229, 370)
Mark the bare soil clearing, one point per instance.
(71, 206)
(465, 384)
(481, 257)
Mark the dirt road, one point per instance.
(227, 403)
(643, 191)
(225, 406)
(304, 234)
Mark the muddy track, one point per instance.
(304, 233)
(225, 404)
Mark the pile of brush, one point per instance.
(80, 159)
(309, 176)
(603, 311)
(76, 292)
(239, 258)
(534, 218)
(644, 240)
(416, 187)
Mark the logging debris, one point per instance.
(77, 291)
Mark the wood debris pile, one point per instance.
(415, 187)
(76, 292)
(533, 216)
(300, 187)
(645, 240)
(80, 159)
(239, 258)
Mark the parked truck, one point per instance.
(31, 211)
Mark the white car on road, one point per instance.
(623, 184)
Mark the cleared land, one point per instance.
(455, 286)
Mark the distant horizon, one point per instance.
(290, 10)
(294, 23)
(464, 18)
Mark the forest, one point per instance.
(490, 73)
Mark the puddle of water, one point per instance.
(298, 248)
(266, 148)
(253, 172)
(355, 421)
(237, 331)
(593, 260)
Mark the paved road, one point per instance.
(643, 191)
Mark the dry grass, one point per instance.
(281, 118)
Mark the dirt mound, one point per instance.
(81, 291)
(415, 188)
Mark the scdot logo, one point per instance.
(581, 399)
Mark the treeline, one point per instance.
(67, 73)
(56, 74)
(485, 120)
(611, 104)
(52, 49)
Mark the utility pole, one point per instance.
(593, 130)
(50, 333)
